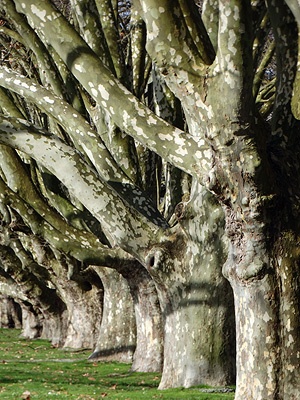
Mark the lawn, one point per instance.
(33, 369)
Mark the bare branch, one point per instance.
(170, 143)
(123, 226)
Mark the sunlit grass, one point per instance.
(22, 377)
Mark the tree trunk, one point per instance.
(81, 292)
(32, 279)
(10, 313)
(199, 345)
(84, 306)
(54, 327)
(268, 327)
(148, 355)
(117, 338)
(196, 300)
(31, 322)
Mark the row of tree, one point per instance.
(149, 185)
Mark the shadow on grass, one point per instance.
(77, 380)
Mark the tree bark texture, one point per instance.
(10, 313)
(234, 69)
(148, 355)
(117, 337)
(196, 300)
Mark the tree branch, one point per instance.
(234, 54)
(286, 36)
(210, 18)
(169, 41)
(131, 231)
(34, 43)
(10, 287)
(262, 68)
(109, 25)
(83, 136)
(170, 143)
(86, 13)
(74, 243)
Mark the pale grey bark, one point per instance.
(196, 300)
(249, 164)
(148, 355)
(117, 337)
(146, 127)
(82, 293)
(31, 322)
(10, 312)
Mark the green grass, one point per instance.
(29, 370)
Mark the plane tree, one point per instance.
(210, 135)
(11, 316)
(207, 355)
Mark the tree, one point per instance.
(207, 354)
(226, 137)
(10, 313)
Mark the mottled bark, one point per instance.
(84, 301)
(117, 337)
(31, 322)
(242, 146)
(267, 323)
(10, 313)
(148, 355)
(48, 70)
(81, 292)
(196, 300)
(32, 280)
(147, 128)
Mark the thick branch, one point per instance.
(170, 143)
(197, 30)
(78, 244)
(10, 288)
(34, 43)
(81, 133)
(124, 226)
(138, 43)
(91, 29)
(286, 36)
(109, 26)
(169, 40)
(210, 18)
(83, 136)
(31, 286)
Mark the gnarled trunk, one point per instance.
(196, 300)
(267, 326)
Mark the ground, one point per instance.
(33, 369)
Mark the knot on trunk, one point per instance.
(249, 269)
(155, 259)
(179, 211)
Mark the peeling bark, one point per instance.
(148, 355)
(240, 142)
(196, 300)
(117, 337)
